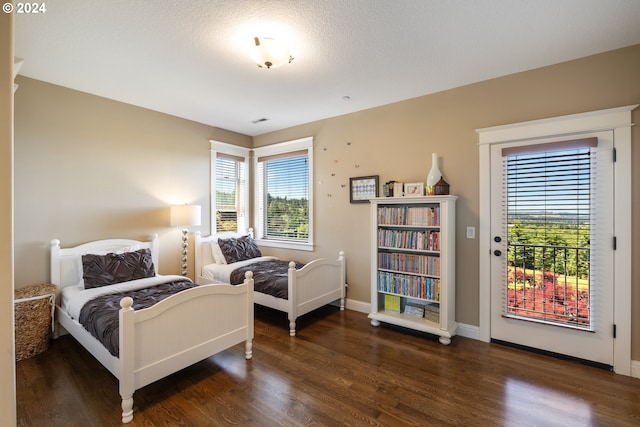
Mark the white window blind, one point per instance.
(549, 212)
(286, 196)
(283, 193)
(230, 194)
(229, 187)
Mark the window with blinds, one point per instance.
(230, 185)
(549, 205)
(283, 194)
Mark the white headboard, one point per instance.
(66, 263)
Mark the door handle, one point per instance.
(497, 252)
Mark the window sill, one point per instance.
(283, 244)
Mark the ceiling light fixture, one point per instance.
(270, 53)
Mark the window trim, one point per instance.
(282, 148)
(226, 149)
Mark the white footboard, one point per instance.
(179, 331)
(318, 283)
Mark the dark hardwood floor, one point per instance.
(339, 370)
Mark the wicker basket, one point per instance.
(33, 319)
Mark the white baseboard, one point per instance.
(359, 306)
(635, 368)
(468, 331)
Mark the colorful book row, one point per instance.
(411, 286)
(422, 216)
(411, 263)
(409, 239)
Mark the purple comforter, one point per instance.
(269, 277)
(101, 318)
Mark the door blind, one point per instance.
(549, 209)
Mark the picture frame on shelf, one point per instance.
(363, 188)
(414, 189)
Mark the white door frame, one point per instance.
(617, 120)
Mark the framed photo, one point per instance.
(414, 189)
(363, 188)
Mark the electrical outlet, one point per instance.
(471, 232)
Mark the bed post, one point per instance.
(248, 347)
(127, 358)
(54, 258)
(55, 262)
(343, 280)
(293, 305)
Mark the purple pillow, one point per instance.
(102, 270)
(239, 249)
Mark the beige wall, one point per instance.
(395, 142)
(90, 168)
(7, 361)
(134, 163)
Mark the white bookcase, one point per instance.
(413, 263)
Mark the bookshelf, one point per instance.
(413, 263)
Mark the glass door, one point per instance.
(552, 245)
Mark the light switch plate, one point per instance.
(471, 232)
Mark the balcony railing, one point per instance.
(550, 284)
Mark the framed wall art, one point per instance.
(363, 188)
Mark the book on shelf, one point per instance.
(409, 285)
(392, 303)
(432, 307)
(410, 263)
(432, 312)
(423, 216)
(414, 309)
(409, 239)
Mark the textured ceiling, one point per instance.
(189, 58)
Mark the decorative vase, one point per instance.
(434, 175)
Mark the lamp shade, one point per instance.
(185, 215)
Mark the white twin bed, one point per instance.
(152, 342)
(302, 289)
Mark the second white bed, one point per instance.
(318, 283)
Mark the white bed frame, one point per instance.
(153, 342)
(318, 283)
